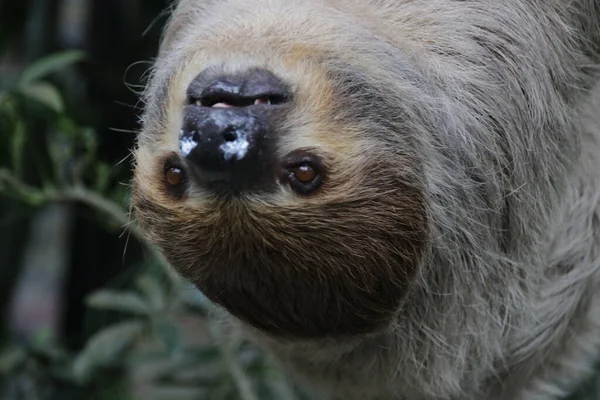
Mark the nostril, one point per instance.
(230, 137)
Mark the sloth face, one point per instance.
(273, 172)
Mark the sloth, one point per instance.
(397, 199)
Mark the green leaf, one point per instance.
(153, 291)
(179, 379)
(44, 342)
(204, 354)
(103, 174)
(106, 347)
(54, 353)
(207, 357)
(18, 143)
(119, 301)
(194, 298)
(169, 334)
(50, 64)
(11, 359)
(89, 138)
(46, 94)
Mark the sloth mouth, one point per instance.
(253, 87)
(223, 101)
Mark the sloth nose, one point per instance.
(227, 133)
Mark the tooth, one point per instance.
(265, 100)
(198, 103)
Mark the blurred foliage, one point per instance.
(146, 323)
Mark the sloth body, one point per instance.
(452, 247)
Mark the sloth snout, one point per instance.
(229, 128)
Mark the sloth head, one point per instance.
(292, 162)
(270, 174)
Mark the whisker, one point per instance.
(122, 130)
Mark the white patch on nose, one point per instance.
(236, 149)
(186, 144)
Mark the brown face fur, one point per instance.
(337, 262)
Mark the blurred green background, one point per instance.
(88, 310)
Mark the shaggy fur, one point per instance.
(454, 250)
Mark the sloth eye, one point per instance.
(303, 172)
(174, 176)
